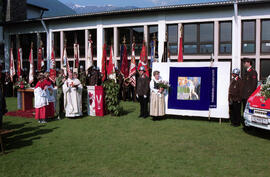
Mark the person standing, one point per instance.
(72, 90)
(50, 94)
(60, 97)
(82, 78)
(235, 97)
(250, 81)
(3, 107)
(142, 91)
(41, 100)
(157, 98)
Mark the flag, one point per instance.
(76, 55)
(103, 64)
(111, 66)
(143, 60)
(11, 65)
(40, 59)
(19, 63)
(31, 70)
(124, 65)
(153, 52)
(52, 67)
(64, 58)
(132, 67)
(165, 52)
(180, 51)
(90, 53)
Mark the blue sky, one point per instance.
(138, 3)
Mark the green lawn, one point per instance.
(130, 146)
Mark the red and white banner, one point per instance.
(40, 59)
(19, 63)
(111, 66)
(132, 67)
(52, 67)
(89, 54)
(180, 50)
(76, 55)
(95, 101)
(31, 70)
(11, 65)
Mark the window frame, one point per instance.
(198, 43)
(263, 41)
(248, 41)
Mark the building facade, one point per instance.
(230, 30)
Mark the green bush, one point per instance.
(112, 101)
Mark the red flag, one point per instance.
(110, 68)
(19, 62)
(40, 59)
(12, 66)
(132, 67)
(76, 55)
(31, 70)
(103, 64)
(124, 65)
(52, 67)
(143, 60)
(180, 51)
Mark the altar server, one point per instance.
(41, 100)
(50, 95)
(72, 90)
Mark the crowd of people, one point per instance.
(67, 95)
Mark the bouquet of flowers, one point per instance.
(21, 84)
(164, 84)
(265, 91)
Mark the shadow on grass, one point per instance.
(257, 132)
(178, 117)
(23, 136)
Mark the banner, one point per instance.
(95, 101)
(91, 101)
(196, 88)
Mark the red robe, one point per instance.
(40, 112)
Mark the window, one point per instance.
(264, 68)
(129, 33)
(80, 39)
(199, 38)
(265, 36)
(172, 39)
(13, 43)
(93, 33)
(225, 37)
(25, 44)
(108, 39)
(58, 64)
(73, 37)
(153, 34)
(56, 44)
(69, 41)
(248, 37)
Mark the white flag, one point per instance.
(89, 54)
(31, 71)
(12, 66)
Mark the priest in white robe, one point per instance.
(72, 90)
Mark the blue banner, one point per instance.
(190, 88)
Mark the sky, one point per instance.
(137, 3)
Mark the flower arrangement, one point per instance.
(265, 91)
(164, 84)
(21, 84)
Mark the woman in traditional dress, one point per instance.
(157, 99)
(41, 100)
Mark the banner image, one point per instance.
(196, 88)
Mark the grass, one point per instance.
(130, 146)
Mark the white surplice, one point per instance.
(41, 99)
(72, 97)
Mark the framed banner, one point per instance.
(197, 89)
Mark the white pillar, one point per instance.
(86, 36)
(61, 46)
(100, 42)
(216, 40)
(236, 39)
(161, 36)
(258, 46)
(115, 41)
